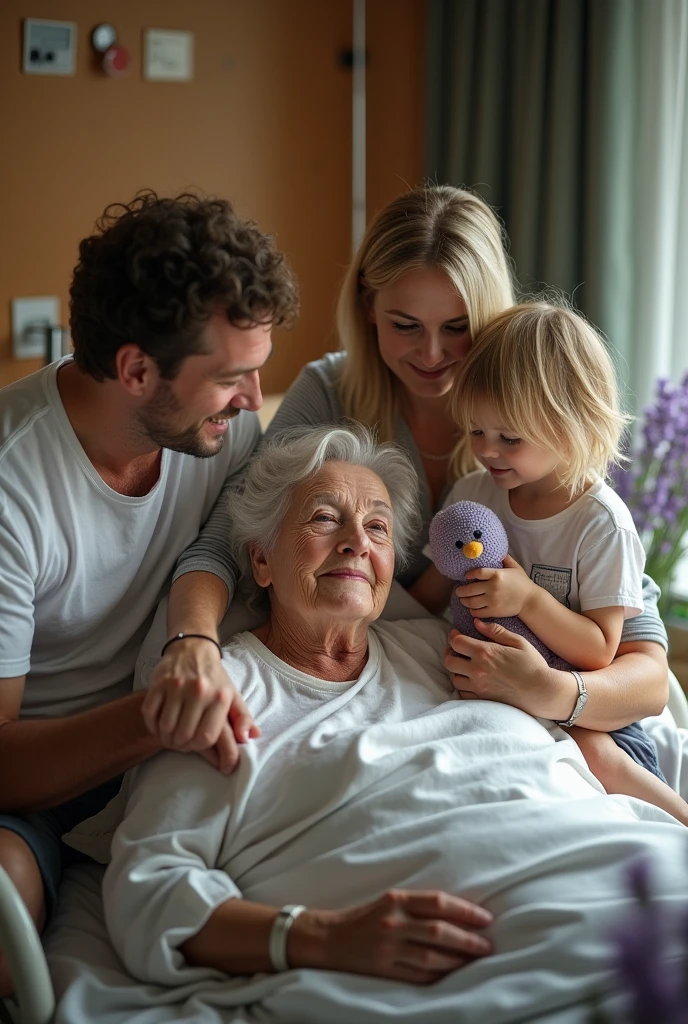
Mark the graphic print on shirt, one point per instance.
(556, 580)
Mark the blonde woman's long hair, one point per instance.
(432, 226)
(548, 376)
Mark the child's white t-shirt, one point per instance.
(588, 556)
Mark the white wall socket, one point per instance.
(30, 317)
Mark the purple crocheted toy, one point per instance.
(467, 536)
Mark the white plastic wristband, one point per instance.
(278, 936)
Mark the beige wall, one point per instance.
(266, 121)
(395, 98)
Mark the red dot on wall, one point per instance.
(116, 60)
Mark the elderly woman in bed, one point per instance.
(373, 794)
(324, 550)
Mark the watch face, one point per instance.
(103, 36)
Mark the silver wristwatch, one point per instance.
(581, 700)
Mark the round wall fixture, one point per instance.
(103, 37)
(116, 61)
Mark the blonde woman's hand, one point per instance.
(505, 667)
(192, 705)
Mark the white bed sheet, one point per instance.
(545, 968)
(550, 956)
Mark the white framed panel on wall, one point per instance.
(168, 55)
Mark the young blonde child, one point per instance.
(537, 396)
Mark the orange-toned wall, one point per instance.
(266, 121)
(395, 87)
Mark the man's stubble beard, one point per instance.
(156, 419)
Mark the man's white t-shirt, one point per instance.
(588, 556)
(81, 566)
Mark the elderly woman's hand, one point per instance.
(506, 668)
(192, 705)
(417, 937)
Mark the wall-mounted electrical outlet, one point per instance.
(31, 317)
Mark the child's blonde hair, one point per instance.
(549, 377)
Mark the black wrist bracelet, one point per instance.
(191, 636)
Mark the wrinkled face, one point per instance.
(422, 331)
(511, 461)
(466, 536)
(191, 413)
(333, 557)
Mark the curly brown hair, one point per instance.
(156, 271)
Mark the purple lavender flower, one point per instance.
(653, 981)
(654, 484)
(638, 879)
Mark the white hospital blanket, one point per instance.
(471, 797)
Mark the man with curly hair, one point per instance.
(111, 461)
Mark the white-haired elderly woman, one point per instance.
(376, 812)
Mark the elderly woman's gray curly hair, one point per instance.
(289, 458)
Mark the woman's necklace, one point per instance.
(419, 421)
(436, 458)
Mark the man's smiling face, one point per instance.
(190, 414)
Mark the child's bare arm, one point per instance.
(432, 590)
(588, 640)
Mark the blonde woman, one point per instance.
(430, 272)
(537, 396)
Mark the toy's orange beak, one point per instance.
(473, 550)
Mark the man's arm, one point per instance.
(43, 763)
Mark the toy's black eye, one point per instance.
(459, 544)
(477, 534)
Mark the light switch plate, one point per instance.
(168, 55)
(49, 47)
(28, 313)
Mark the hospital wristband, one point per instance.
(278, 936)
(190, 636)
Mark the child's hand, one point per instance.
(496, 593)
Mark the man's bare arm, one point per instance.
(45, 762)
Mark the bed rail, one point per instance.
(21, 945)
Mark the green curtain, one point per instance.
(570, 118)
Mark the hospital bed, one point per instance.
(35, 1001)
